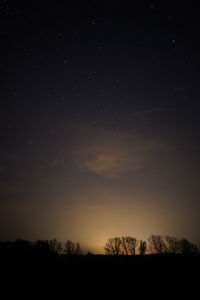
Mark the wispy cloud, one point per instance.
(109, 165)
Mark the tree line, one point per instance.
(155, 244)
(125, 245)
(40, 247)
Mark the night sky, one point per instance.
(99, 120)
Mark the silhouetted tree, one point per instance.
(156, 244)
(113, 246)
(124, 244)
(79, 251)
(71, 248)
(186, 247)
(42, 247)
(172, 244)
(131, 244)
(142, 247)
(55, 246)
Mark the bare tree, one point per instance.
(186, 247)
(131, 243)
(71, 248)
(156, 244)
(172, 244)
(78, 249)
(55, 246)
(113, 246)
(124, 245)
(42, 247)
(142, 247)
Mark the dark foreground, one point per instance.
(100, 276)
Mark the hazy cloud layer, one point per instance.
(109, 154)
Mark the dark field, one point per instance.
(100, 276)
